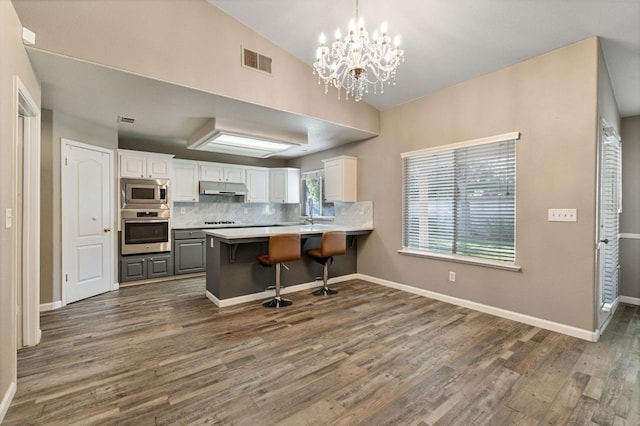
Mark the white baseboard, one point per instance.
(263, 295)
(629, 300)
(44, 307)
(6, 400)
(503, 313)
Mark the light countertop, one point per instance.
(267, 231)
(232, 225)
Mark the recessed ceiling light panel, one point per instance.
(235, 141)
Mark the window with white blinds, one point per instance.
(461, 199)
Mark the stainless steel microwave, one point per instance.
(144, 194)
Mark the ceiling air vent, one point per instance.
(256, 61)
(126, 120)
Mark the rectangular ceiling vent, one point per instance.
(256, 61)
(126, 120)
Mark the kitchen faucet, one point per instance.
(310, 208)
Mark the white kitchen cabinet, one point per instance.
(234, 174)
(284, 185)
(184, 185)
(257, 185)
(211, 172)
(340, 179)
(216, 172)
(146, 165)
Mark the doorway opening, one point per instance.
(26, 216)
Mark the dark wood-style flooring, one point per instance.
(163, 354)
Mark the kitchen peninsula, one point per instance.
(235, 276)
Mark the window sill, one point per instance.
(320, 218)
(463, 259)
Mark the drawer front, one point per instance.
(187, 234)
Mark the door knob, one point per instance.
(606, 241)
(107, 229)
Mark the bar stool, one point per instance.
(282, 248)
(333, 243)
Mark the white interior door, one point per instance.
(87, 254)
(610, 206)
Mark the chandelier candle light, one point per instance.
(355, 62)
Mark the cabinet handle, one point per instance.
(151, 259)
(142, 176)
(107, 229)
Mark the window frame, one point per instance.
(450, 256)
(324, 204)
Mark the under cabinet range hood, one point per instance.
(222, 188)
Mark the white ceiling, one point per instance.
(445, 42)
(450, 41)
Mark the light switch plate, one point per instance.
(8, 218)
(563, 215)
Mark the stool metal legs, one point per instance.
(277, 301)
(325, 290)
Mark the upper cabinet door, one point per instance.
(138, 164)
(284, 185)
(257, 185)
(216, 172)
(133, 166)
(340, 179)
(211, 172)
(158, 167)
(234, 174)
(185, 181)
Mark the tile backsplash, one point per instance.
(221, 208)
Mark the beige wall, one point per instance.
(13, 62)
(60, 126)
(132, 35)
(552, 101)
(630, 217)
(49, 210)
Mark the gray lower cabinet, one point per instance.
(146, 266)
(189, 248)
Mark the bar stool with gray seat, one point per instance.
(333, 243)
(282, 248)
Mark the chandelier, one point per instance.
(355, 62)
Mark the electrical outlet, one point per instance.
(452, 277)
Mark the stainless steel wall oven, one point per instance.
(145, 231)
